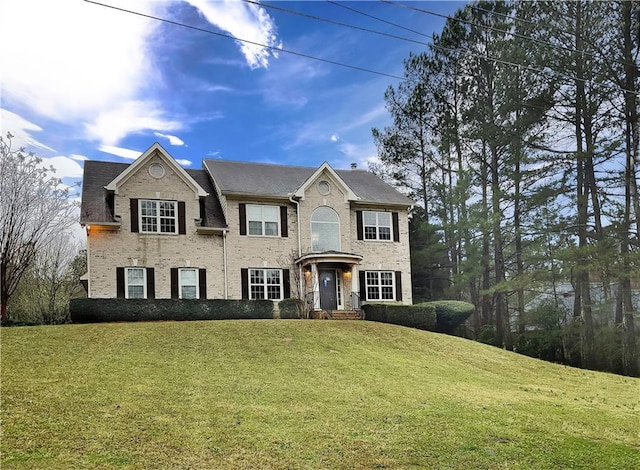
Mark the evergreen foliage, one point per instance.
(131, 310)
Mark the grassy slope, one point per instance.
(301, 394)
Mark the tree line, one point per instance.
(40, 263)
(517, 133)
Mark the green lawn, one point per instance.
(301, 394)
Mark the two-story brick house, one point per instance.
(235, 230)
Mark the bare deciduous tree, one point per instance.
(34, 209)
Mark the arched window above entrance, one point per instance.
(325, 229)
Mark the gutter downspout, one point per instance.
(224, 262)
(300, 273)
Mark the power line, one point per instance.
(526, 67)
(247, 41)
(498, 30)
(334, 22)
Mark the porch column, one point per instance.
(315, 282)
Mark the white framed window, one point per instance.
(377, 225)
(265, 284)
(135, 283)
(380, 285)
(188, 283)
(325, 229)
(263, 220)
(158, 216)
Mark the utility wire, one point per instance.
(337, 23)
(498, 30)
(228, 36)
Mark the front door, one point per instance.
(328, 297)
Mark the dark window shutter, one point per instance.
(120, 283)
(396, 226)
(151, 283)
(286, 283)
(174, 283)
(202, 279)
(244, 274)
(243, 218)
(359, 225)
(133, 204)
(203, 211)
(363, 287)
(284, 228)
(398, 285)
(182, 222)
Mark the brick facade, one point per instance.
(227, 252)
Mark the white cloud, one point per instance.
(79, 158)
(184, 162)
(113, 124)
(21, 129)
(65, 167)
(120, 152)
(67, 58)
(173, 140)
(243, 21)
(335, 138)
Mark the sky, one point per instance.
(81, 81)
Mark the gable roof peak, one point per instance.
(349, 195)
(148, 154)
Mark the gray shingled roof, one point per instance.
(264, 179)
(96, 205)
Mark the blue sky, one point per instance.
(81, 81)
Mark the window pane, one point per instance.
(188, 277)
(167, 225)
(167, 209)
(271, 213)
(255, 227)
(372, 277)
(135, 276)
(384, 233)
(257, 292)
(136, 292)
(257, 276)
(384, 219)
(370, 233)
(369, 218)
(254, 212)
(149, 224)
(189, 292)
(387, 293)
(148, 208)
(325, 214)
(271, 229)
(372, 293)
(273, 276)
(386, 278)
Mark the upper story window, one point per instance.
(135, 283)
(377, 225)
(158, 216)
(263, 220)
(325, 229)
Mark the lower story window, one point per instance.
(265, 284)
(188, 281)
(380, 285)
(136, 283)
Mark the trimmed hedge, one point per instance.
(291, 309)
(420, 316)
(128, 310)
(450, 314)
